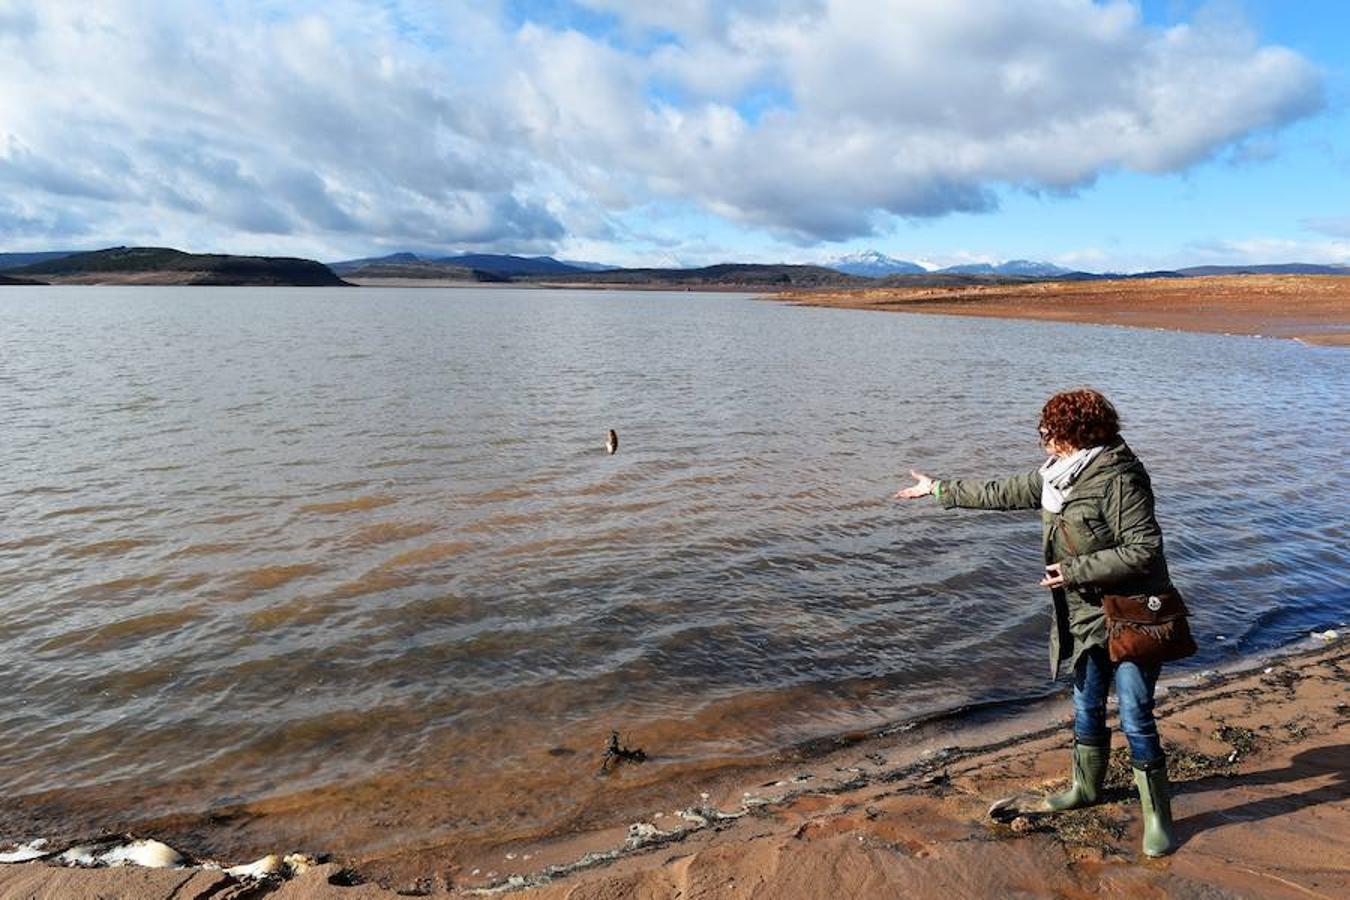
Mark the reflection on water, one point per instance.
(270, 544)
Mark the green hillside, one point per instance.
(161, 265)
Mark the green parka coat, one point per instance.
(1105, 539)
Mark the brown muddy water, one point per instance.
(352, 568)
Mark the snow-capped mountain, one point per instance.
(1011, 267)
(872, 264)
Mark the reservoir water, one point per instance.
(358, 559)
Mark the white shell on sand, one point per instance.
(79, 855)
(25, 852)
(157, 855)
(269, 865)
(289, 866)
(148, 853)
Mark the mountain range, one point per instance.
(730, 275)
(148, 265)
(492, 264)
(1275, 269)
(873, 264)
(1028, 267)
(867, 264)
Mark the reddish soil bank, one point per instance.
(1311, 308)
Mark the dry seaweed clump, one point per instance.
(1186, 765)
(1093, 827)
(1119, 775)
(1243, 740)
(1096, 828)
(1282, 677)
(1182, 765)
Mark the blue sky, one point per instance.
(1106, 136)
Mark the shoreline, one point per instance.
(1313, 309)
(598, 286)
(940, 769)
(828, 776)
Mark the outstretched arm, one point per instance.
(1017, 492)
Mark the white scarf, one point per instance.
(1058, 476)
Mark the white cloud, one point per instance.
(415, 122)
(1087, 259)
(1331, 226)
(177, 119)
(1255, 251)
(919, 109)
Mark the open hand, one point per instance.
(1054, 577)
(923, 486)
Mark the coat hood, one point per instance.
(1116, 459)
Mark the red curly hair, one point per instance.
(1079, 419)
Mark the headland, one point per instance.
(1311, 308)
(165, 266)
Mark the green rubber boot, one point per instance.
(1089, 773)
(1156, 800)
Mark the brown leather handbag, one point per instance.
(1147, 628)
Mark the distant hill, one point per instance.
(1028, 267)
(725, 275)
(347, 266)
(161, 265)
(958, 279)
(7, 279)
(511, 266)
(499, 264)
(872, 264)
(16, 260)
(1276, 269)
(1269, 269)
(421, 270)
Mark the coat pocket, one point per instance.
(1086, 531)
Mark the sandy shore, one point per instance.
(1311, 308)
(1260, 758)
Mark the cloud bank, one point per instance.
(479, 125)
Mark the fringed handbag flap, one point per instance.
(1159, 632)
(1144, 609)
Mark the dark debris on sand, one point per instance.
(616, 753)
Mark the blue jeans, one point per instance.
(1092, 676)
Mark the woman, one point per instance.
(1098, 533)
